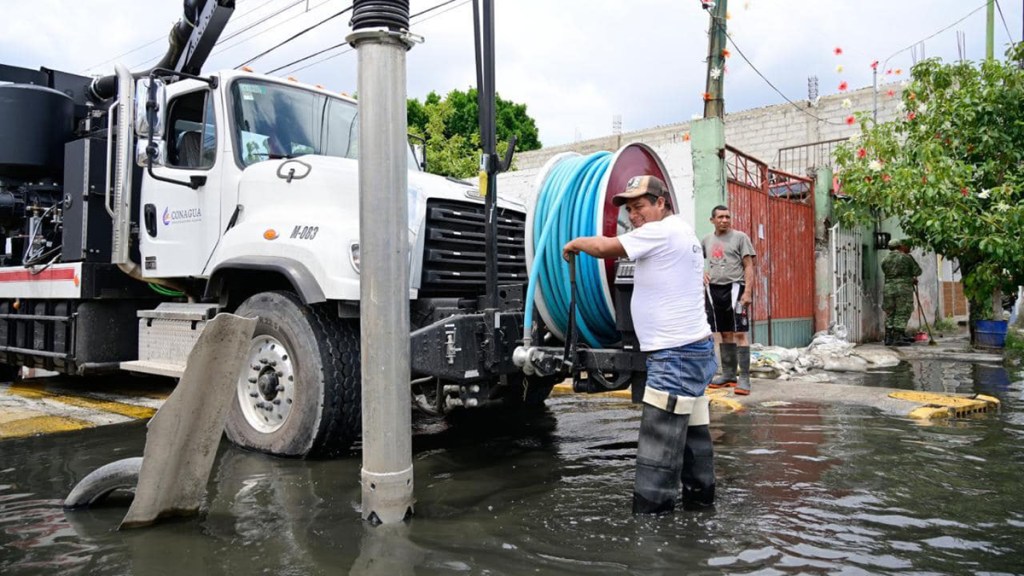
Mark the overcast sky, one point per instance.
(575, 63)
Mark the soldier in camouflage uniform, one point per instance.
(901, 272)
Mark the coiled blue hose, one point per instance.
(567, 208)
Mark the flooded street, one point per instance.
(802, 488)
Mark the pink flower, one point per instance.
(861, 153)
(843, 86)
(837, 51)
(886, 177)
(874, 65)
(964, 191)
(911, 115)
(850, 120)
(891, 93)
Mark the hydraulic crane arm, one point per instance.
(193, 37)
(189, 44)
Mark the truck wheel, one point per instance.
(299, 393)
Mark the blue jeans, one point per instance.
(684, 370)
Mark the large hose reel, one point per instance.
(572, 197)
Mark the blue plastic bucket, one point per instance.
(990, 333)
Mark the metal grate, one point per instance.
(847, 281)
(454, 261)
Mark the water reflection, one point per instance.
(802, 488)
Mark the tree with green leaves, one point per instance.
(950, 170)
(452, 133)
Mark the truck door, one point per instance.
(179, 225)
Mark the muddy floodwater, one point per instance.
(803, 488)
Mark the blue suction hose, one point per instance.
(567, 208)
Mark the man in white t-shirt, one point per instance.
(670, 323)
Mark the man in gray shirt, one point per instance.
(730, 279)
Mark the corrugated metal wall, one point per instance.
(777, 211)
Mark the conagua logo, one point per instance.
(181, 216)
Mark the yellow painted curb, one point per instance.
(38, 391)
(564, 388)
(36, 425)
(945, 405)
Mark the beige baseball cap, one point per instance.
(641, 186)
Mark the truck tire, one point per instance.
(299, 394)
(118, 475)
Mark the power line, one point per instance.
(332, 56)
(777, 91)
(162, 38)
(293, 37)
(256, 35)
(965, 17)
(260, 21)
(1003, 18)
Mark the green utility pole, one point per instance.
(708, 134)
(990, 30)
(714, 102)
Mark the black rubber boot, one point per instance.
(743, 374)
(659, 460)
(698, 469)
(727, 350)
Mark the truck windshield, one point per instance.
(272, 121)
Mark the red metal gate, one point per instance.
(776, 210)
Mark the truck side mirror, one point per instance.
(419, 150)
(150, 107)
(144, 148)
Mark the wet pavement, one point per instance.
(804, 487)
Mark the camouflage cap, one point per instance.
(641, 186)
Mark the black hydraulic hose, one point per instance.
(569, 354)
(390, 14)
(105, 87)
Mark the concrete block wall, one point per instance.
(760, 132)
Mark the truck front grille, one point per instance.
(454, 260)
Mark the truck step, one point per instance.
(156, 368)
(166, 337)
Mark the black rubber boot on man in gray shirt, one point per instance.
(743, 374)
(727, 350)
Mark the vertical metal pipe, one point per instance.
(990, 29)
(874, 97)
(387, 474)
(488, 140)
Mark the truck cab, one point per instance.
(250, 191)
